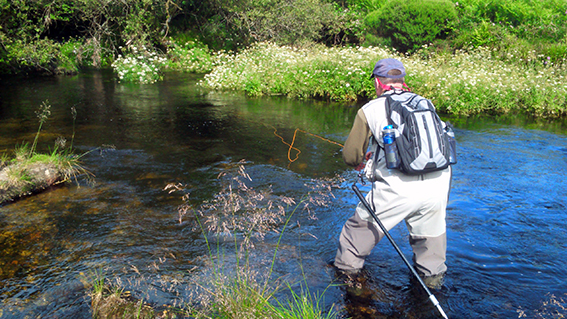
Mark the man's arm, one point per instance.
(357, 141)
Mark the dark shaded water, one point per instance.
(507, 242)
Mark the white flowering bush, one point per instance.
(319, 71)
(484, 81)
(464, 83)
(139, 65)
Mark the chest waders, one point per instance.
(373, 213)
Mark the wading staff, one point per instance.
(373, 213)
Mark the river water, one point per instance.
(506, 215)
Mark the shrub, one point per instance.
(484, 34)
(189, 56)
(543, 19)
(410, 24)
(139, 65)
(38, 56)
(234, 24)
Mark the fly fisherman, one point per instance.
(419, 200)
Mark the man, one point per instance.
(419, 200)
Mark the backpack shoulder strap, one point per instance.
(395, 100)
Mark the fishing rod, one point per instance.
(373, 213)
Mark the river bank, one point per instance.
(481, 81)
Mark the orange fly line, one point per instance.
(291, 147)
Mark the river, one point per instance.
(506, 215)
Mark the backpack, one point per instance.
(422, 138)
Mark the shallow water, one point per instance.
(506, 226)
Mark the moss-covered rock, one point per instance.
(23, 179)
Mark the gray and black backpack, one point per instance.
(422, 138)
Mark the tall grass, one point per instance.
(111, 301)
(476, 81)
(189, 55)
(43, 114)
(27, 171)
(232, 282)
(246, 215)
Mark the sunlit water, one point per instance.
(506, 215)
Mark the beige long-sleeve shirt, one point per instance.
(356, 144)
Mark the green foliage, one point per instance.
(526, 18)
(468, 82)
(316, 71)
(410, 24)
(484, 34)
(513, 25)
(61, 36)
(364, 6)
(556, 52)
(189, 55)
(36, 56)
(234, 24)
(102, 25)
(304, 305)
(139, 65)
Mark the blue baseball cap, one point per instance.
(384, 66)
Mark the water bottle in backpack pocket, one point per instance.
(452, 144)
(390, 148)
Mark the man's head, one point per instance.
(388, 73)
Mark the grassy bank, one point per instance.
(479, 81)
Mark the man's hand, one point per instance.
(361, 166)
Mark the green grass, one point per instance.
(26, 171)
(480, 81)
(303, 305)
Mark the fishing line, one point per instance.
(291, 147)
